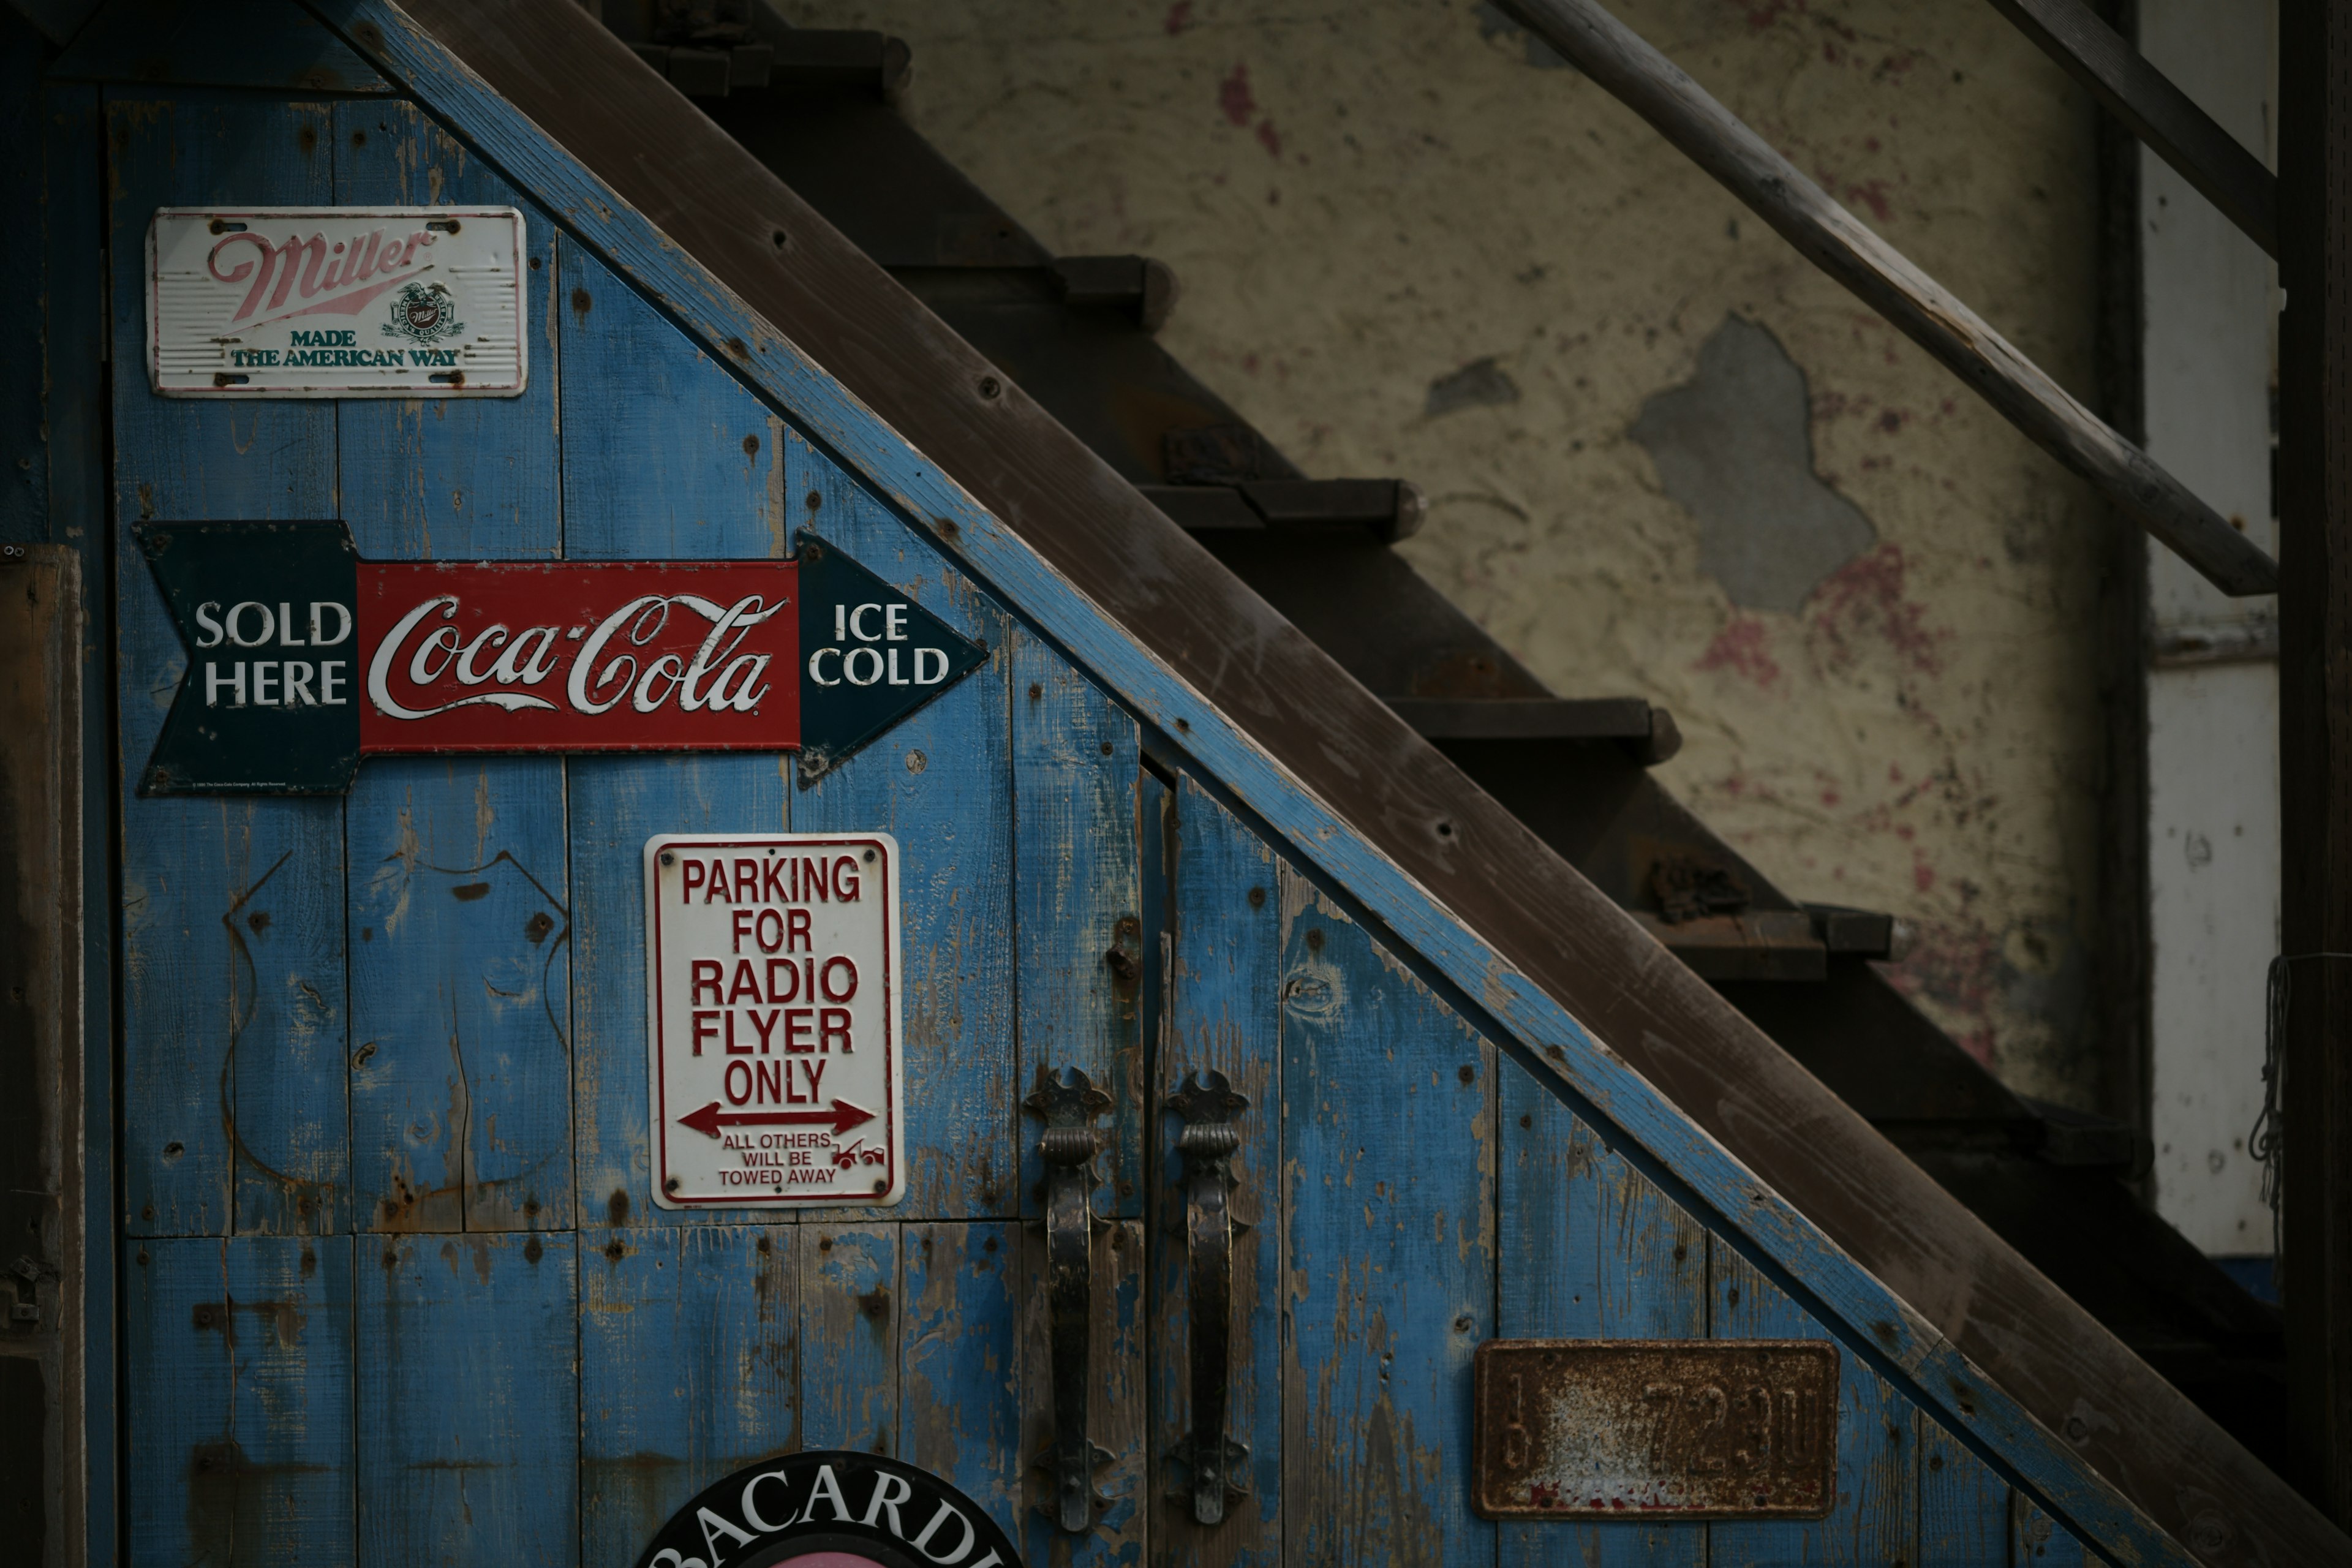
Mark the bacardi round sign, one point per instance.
(831, 1510)
(773, 986)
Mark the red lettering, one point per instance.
(813, 874)
(732, 1068)
(816, 1072)
(742, 927)
(824, 977)
(689, 878)
(706, 1027)
(732, 1049)
(833, 1024)
(718, 888)
(773, 1083)
(766, 1028)
(845, 878)
(792, 973)
(747, 881)
(760, 931)
(796, 931)
(771, 882)
(798, 1039)
(747, 983)
(708, 972)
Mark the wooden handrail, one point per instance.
(1838, 243)
(2211, 160)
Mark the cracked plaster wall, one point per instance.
(1413, 244)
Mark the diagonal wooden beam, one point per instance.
(2155, 111)
(1838, 243)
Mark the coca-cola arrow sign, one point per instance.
(303, 658)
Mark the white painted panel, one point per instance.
(2209, 303)
(2213, 877)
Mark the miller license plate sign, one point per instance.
(772, 993)
(336, 302)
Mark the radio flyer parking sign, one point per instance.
(772, 977)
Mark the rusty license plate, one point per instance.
(1586, 1429)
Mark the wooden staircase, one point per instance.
(1075, 335)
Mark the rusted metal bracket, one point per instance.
(1209, 1105)
(1070, 1143)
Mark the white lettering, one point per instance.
(297, 684)
(856, 627)
(922, 1542)
(817, 675)
(264, 672)
(884, 1498)
(826, 1486)
(489, 636)
(922, 654)
(530, 671)
(214, 683)
(751, 1510)
(849, 665)
(387, 655)
(235, 616)
(711, 1521)
(206, 621)
(286, 637)
(319, 638)
(327, 680)
(577, 689)
(745, 698)
(668, 667)
(894, 624)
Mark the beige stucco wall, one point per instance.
(1363, 199)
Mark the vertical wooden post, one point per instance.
(2316, 732)
(43, 1466)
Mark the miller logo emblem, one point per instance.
(424, 313)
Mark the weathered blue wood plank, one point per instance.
(2037, 1540)
(461, 1081)
(239, 1400)
(270, 43)
(1115, 1406)
(1224, 1015)
(1075, 766)
(233, 978)
(850, 1301)
(940, 782)
(689, 1368)
(449, 478)
(1389, 1152)
(1876, 1520)
(469, 1441)
(665, 457)
(620, 233)
(1963, 1505)
(1592, 1249)
(960, 1360)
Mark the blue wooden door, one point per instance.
(394, 1290)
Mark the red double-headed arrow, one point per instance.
(710, 1119)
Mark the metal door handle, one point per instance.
(1069, 1146)
(1208, 1144)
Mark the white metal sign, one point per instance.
(336, 302)
(771, 986)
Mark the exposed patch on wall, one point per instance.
(1734, 448)
(1493, 25)
(1480, 384)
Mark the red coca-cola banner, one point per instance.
(610, 657)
